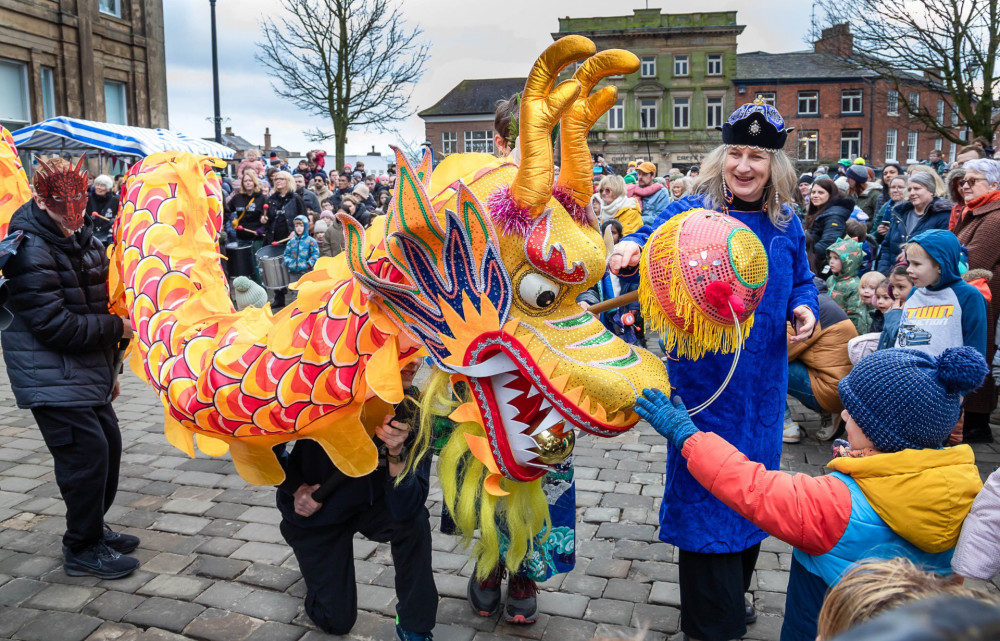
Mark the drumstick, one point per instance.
(97, 215)
(612, 303)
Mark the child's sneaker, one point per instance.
(791, 432)
(522, 602)
(484, 596)
(406, 635)
(830, 427)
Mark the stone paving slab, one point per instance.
(214, 566)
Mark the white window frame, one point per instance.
(914, 102)
(891, 142)
(953, 152)
(714, 64)
(851, 138)
(110, 7)
(954, 116)
(682, 65)
(478, 141)
(714, 111)
(769, 97)
(47, 78)
(648, 113)
(912, 146)
(19, 120)
(851, 98)
(449, 142)
(681, 112)
(808, 96)
(892, 103)
(648, 67)
(121, 86)
(940, 112)
(616, 116)
(808, 141)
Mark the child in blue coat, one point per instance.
(302, 250)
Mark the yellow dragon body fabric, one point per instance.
(14, 189)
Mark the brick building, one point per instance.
(839, 110)
(668, 111)
(98, 60)
(462, 121)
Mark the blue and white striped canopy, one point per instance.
(56, 134)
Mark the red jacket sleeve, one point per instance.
(810, 513)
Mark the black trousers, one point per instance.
(712, 589)
(326, 560)
(86, 447)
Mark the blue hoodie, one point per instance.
(948, 314)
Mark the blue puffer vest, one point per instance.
(867, 536)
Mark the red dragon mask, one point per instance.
(64, 192)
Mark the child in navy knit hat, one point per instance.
(893, 491)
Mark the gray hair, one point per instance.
(778, 194)
(990, 169)
(924, 179)
(105, 180)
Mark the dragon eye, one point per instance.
(538, 291)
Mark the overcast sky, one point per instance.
(469, 39)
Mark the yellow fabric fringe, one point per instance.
(700, 333)
(523, 514)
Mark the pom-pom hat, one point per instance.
(907, 399)
(757, 125)
(248, 293)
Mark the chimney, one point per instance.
(836, 40)
(267, 139)
(229, 131)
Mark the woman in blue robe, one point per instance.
(749, 178)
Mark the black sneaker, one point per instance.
(121, 543)
(98, 560)
(484, 596)
(522, 602)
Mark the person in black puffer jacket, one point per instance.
(61, 354)
(102, 206)
(283, 206)
(826, 221)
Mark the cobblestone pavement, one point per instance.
(214, 565)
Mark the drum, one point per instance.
(271, 262)
(240, 259)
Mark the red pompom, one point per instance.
(717, 295)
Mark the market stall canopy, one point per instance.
(72, 133)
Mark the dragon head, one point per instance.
(483, 265)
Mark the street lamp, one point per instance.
(215, 78)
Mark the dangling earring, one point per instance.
(727, 196)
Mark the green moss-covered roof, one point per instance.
(650, 20)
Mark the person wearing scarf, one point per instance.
(978, 229)
(617, 205)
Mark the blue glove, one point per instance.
(670, 420)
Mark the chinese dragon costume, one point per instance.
(476, 266)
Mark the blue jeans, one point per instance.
(800, 387)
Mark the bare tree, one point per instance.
(353, 61)
(949, 45)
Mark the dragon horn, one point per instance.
(80, 164)
(576, 173)
(542, 104)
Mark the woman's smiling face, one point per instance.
(747, 172)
